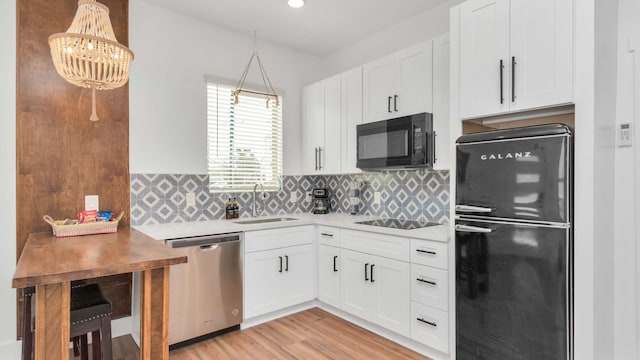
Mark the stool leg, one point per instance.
(95, 345)
(106, 338)
(84, 347)
(27, 335)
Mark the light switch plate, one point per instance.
(294, 197)
(91, 202)
(191, 199)
(625, 135)
(376, 197)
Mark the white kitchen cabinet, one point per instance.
(351, 117)
(399, 84)
(322, 126)
(377, 289)
(514, 55)
(329, 272)
(441, 51)
(430, 326)
(279, 269)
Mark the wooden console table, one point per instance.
(51, 263)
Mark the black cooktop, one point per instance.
(398, 223)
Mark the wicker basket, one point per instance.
(98, 227)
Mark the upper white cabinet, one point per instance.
(441, 51)
(399, 84)
(321, 148)
(514, 55)
(351, 117)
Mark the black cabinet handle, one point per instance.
(395, 103)
(513, 79)
(427, 322)
(286, 258)
(372, 265)
(316, 159)
(335, 269)
(431, 252)
(326, 234)
(319, 158)
(280, 264)
(427, 281)
(389, 103)
(501, 87)
(366, 272)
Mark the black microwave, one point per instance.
(396, 143)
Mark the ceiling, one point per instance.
(319, 28)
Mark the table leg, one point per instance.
(52, 321)
(154, 314)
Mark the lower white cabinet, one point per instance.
(329, 275)
(377, 289)
(275, 278)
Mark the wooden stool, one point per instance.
(90, 313)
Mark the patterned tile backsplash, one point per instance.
(411, 194)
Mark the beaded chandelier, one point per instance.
(88, 54)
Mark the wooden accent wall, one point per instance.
(61, 155)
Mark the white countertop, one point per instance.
(199, 228)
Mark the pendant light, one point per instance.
(296, 3)
(269, 92)
(88, 53)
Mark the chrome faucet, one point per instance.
(254, 213)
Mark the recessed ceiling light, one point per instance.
(296, 3)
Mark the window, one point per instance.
(244, 140)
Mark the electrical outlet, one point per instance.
(309, 196)
(376, 197)
(293, 197)
(91, 202)
(191, 199)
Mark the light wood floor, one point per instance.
(311, 334)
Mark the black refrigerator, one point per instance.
(513, 240)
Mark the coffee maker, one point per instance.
(321, 204)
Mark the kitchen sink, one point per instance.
(262, 221)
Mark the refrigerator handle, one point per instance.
(472, 229)
(471, 208)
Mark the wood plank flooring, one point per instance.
(311, 334)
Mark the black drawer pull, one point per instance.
(389, 103)
(427, 281)
(335, 269)
(280, 263)
(372, 265)
(427, 322)
(366, 272)
(286, 257)
(326, 234)
(427, 251)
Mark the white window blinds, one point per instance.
(244, 140)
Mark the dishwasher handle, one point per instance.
(209, 247)
(203, 241)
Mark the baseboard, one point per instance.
(278, 314)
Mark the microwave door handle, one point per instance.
(433, 147)
(473, 209)
(413, 139)
(473, 229)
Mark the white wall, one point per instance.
(418, 28)
(626, 191)
(167, 90)
(9, 348)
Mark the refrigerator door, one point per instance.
(523, 178)
(512, 284)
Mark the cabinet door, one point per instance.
(484, 46)
(351, 117)
(542, 49)
(330, 154)
(413, 80)
(377, 87)
(441, 118)
(392, 294)
(299, 274)
(329, 275)
(356, 290)
(262, 283)
(312, 128)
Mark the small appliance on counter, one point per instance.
(321, 204)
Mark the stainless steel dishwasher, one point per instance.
(205, 295)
